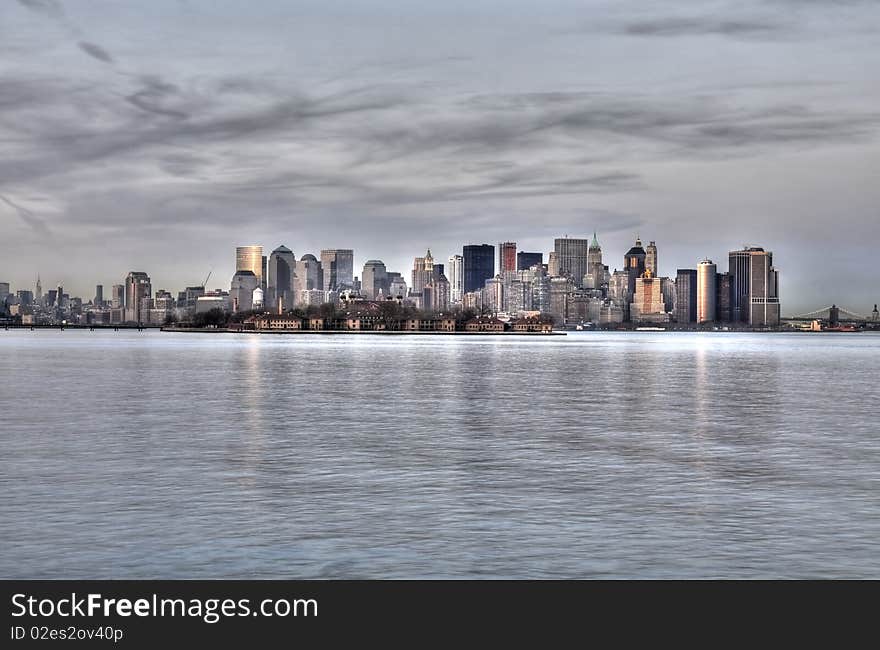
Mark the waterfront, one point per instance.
(595, 455)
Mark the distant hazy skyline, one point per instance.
(159, 135)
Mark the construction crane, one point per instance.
(207, 277)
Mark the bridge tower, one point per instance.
(834, 316)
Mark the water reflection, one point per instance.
(598, 455)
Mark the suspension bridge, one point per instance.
(837, 314)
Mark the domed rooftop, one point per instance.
(308, 257)
(282, 249)
(374, 263)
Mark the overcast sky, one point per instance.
(159, 135)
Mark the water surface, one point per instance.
(596, 455)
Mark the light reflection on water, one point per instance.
(594, 455)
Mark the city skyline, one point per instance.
(324, 125)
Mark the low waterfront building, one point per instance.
(532, 325)
(484, 324)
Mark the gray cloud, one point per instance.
(29, 218)
(691, 26)
(95, 51)
(51, 8)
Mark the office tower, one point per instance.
(374, 280)
(571, 258)
(739, 264)
(647, 303)
(686, 296)
(137, 288)
(553, 264)
(493, 294)
(423, 272)
(436, 293)
(634, 264)
(456, 277)
(560, 287)
(51, 295)
(309, 276)
(338, 267)
(39, 289)
(280, 275)
(250, 258)
(4, 290)
(117, 296)
(706, 291)
(540, 289)
(724, 297)
(263, 274)
(506, 256)
(25, 297)
(396, 285)
(763, 290)
(618, 290)
(241, 290)
(595, 268)
(525, 261)
(478, 265)
(99, 295)
(651, 258)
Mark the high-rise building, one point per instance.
(553, 264)
(634, 264)
(572, 256)
(560, 287)
(686, 296)
(478, 265)
(525, 261)
(396, 285)
(137, 288)
(99, 295)
(754, 287)
(338, 267)
(506, 256)
(374, 280)
(763, 290)
(493, 294)
(595, 267)
(250, 258)
(651, 258)
(39, 289)
(707, 292)
(117, 296)
(241, 290)
(456, 277)
(724, 297)
(648, 304)
(280, 276)
(423, 272)
(4, 290)
(309, 276)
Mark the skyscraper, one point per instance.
(423, 272)
(478, 265)
(241, 290)
(338, 267)
(648, 304)
(506, 256)
(117, 296)
(99, 295)
(724, 297)
(634, 264)
(525, 261)
(754, 287)
(137, 288)
(374, 280)
(308, 277)
(595, 267)
(763, 290)
(686, 296)
(280, 275)
(706, 291)
(456, 277)
(571, 257)
(250, 258)
(651, 258)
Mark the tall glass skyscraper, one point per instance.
(478, 265)
(250, 258)
(338, 267)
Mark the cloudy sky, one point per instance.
(159, 135)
